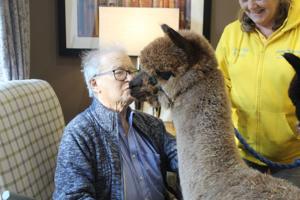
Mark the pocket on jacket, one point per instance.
(278, 128)
(292, 123)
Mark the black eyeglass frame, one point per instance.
(114, 73)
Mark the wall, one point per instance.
(223, 12)
(63, 73)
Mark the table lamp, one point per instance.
(134, 27)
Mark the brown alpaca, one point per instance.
(181, 73)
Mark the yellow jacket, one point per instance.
(258, 78)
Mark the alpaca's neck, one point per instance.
(202, 120)
(179, 85)
(207, 142)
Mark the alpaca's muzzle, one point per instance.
(146, 88)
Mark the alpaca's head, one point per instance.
(166, 60)
(294, 89)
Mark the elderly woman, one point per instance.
(250, 55)
(110, 151)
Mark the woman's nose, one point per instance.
(252, 4)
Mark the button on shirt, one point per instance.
(142, 177)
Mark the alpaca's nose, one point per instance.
(135, 82)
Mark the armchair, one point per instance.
(31, 123)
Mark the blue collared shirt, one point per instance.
(141, 173)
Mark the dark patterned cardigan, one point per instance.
(88, 162)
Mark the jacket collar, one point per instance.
(108, 119)
(291, 21)
(146, 126)
(105, 117)
(293, 18)
(140, 123)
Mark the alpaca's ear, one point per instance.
(293, 60)
(191, 50)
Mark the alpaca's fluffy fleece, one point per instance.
(209, 164)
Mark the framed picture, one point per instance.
(79, 27)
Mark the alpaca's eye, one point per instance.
(152, 80)
(164, 75)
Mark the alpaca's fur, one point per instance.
(209, 164)
(294, 89)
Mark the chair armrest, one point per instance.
(8, 195)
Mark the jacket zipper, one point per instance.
(259, 78)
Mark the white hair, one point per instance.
(91, 62)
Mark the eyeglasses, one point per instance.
(119, 74)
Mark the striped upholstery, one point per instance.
(31, 123)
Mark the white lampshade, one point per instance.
(134, 27)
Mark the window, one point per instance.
(1, 48)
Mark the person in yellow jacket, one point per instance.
(257, 76)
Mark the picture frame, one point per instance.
(72, 41)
